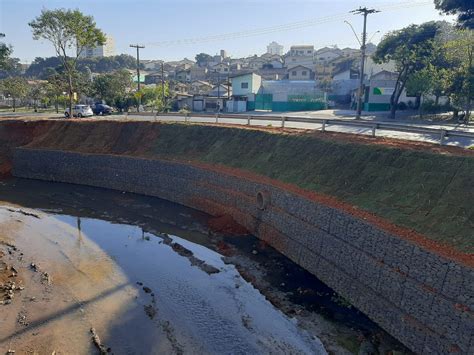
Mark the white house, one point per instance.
(275, 48)
(327, 54)
(300, 72)
(246, 84)
(220, 68)
(220, 91)
(302, 50)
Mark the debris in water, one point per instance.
(45, 278)
(150, 311)
(209, 269)
(96, 340)
(9, 290)
(23, 213)
(22, 318)
(146, 289)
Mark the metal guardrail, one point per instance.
(373, 126)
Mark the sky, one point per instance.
(243, 27)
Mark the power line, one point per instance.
(279, 28)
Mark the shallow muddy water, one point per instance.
(148, 276)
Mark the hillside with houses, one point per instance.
(303, 78)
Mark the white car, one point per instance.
(79, 111)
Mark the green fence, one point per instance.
(264, 102)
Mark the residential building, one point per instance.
(152, 64)
(200, 87)
(220, 90)
(302, 50)
(183, 101)
(256, 63)
(220, 68)
(327, 54)
(153, 78)
(105, 50)
(294, 61)
(371, 68)
(300, 72)
(217, 59)
(379, 89)
(300, 55)
(245, 84)
(198, 73)
(275, 48)
(350, 52)
(183, 76)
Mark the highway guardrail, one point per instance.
(324, 122)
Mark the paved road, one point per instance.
(455, 141)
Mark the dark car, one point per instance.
(101, 109)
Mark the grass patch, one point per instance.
(428, 192)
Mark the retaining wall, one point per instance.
(423, 299)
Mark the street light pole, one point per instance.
(364, 11)
(138, 47)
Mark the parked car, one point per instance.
(102, 109)
(79, 111)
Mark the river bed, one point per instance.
(95, 270)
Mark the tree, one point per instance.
(411, 49)
(203, 58)
(156, 98)
(67, 30)
(5, 51)
(36, 92)
(55, 89)
(14, 87)
(112, 88)
(42, 68)
(326, 85)
(460, 52)
(420, 84)
(464, 9)
(12, 67)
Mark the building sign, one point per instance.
(305, 98)
(383, 91)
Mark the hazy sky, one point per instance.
(236, 22)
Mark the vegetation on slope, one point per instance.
(430, 193)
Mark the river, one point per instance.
(97, 270)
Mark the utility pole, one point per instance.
(138, 47)
(364, 11)
(163, 85)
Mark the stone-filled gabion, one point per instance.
(423, 299)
